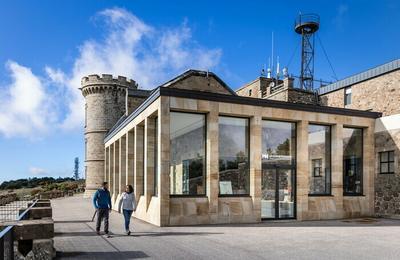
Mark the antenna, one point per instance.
(272, 51)
(306, 25)
(277, 67)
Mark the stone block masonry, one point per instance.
(106, 102)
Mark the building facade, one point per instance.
(196, 152)
(376, 89)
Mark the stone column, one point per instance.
(138, 161)
(337, 168)
(368, 170)
(130, 146)
(149, 159)
(256, 164)
(122, 164)
(302, 176)
(116, 172)
(212, 162)
(106, 164)
(111, 169)
(163, 159)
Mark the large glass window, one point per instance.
(352, 161)
(278, 177)
(279, 142)
(234, 178)
(319, 151)
(187, 149)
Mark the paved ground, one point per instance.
(351, 239)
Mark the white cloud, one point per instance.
(25, 107)
(136, 50)
(129, 47)
(37, 171)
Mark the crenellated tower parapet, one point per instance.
(106, 102)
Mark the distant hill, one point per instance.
(32, 182)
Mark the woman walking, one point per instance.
(128, 203)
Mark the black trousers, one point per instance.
(102, 214)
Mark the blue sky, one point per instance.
(47, 46)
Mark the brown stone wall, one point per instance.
(201, 83)
(387, 186)
(255, 87)
(380, 94)
(301, 96)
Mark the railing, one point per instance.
(11, 213)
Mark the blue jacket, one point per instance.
(102, 199)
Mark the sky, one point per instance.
(47, 46)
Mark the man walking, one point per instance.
(102, 204)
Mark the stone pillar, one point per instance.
(256, 164)
(163, 159)
(369, 170)
(130, 146)
(107, 164)
(212, 156)
(111, 170)
(116, 172)
(122, 164)
(302, 175)
(149, 159)
(138, 161)
(337, 168)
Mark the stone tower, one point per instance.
(106, 102)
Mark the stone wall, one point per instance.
(380, 94)
(387, 186)
(7, 198)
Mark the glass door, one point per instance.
(278, 197)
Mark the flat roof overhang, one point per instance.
(191, 94)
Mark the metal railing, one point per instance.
(11, 213)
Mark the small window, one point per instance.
(250, 92)
(347, 96)
(386, 162)
(317, 166)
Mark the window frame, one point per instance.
(248, 156)
(329, 193)
(388, 161)
(319, 160)
(361, 193)
(204, 195)
(346, 102)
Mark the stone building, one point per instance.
(197, 152)
(107, 100)
(377, 89)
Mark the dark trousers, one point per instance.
(102, 214)
(127, 216)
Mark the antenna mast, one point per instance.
(306, 25)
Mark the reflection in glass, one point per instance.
(234, 175)
(319, 150)
(268, 180)
(352, 160)
(286, 195)
(187, 149)
(278, 142)
(278, 169)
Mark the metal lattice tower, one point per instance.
(306, 25)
